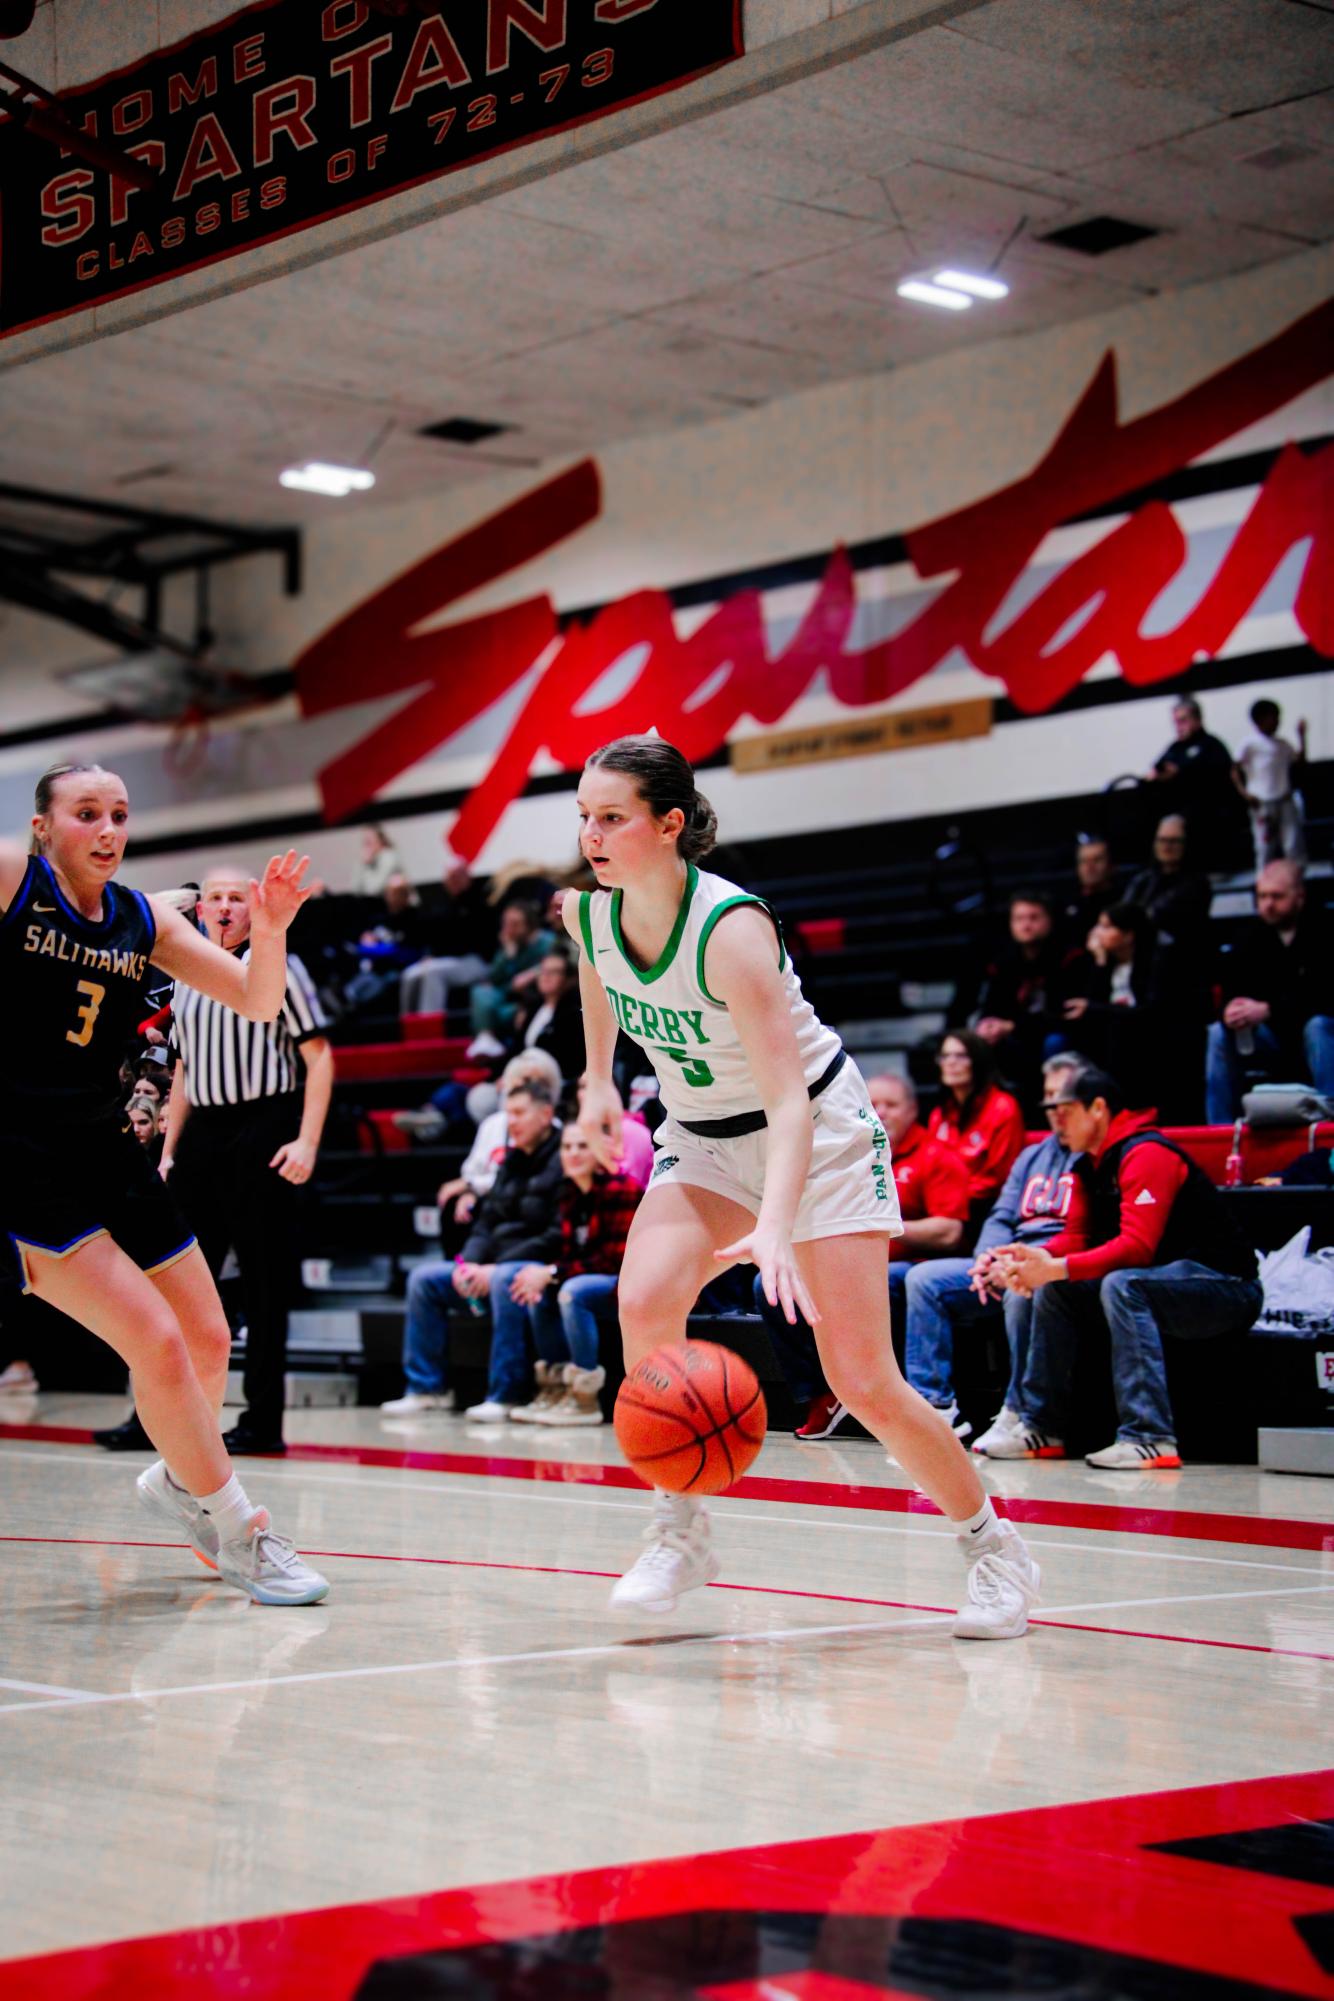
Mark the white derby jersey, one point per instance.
(668, 1010)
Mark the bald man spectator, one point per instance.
(1177, 898)
(1278, 997)
(933, 1190)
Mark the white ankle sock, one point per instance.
(228, 1509)
(980, 1527)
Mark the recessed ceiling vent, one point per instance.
(464, 430)
(1099, 234)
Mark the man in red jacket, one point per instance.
(1154, 1252)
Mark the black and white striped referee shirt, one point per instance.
(231, 1061)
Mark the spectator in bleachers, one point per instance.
(1196, 772)
(1176, 898)
(151, 1081)
(379, 861)
(950, 1292)
(460, 942)
(636, 1159)
(396, 939)
(1150, 1249)
(477, 1175)
(979, 1120)
(1131, 1008)
(515, 1224)
(1016, 1006)
(574, 1296)
(495, 1000)
(1096, 885)
(932, 1186)
(142, 1113)
(1265, 772)
(550, 1014)
(1278, 997)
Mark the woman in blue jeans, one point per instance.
(569, 1299)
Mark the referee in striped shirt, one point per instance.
(244, 1122)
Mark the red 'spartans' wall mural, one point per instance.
(458, 671)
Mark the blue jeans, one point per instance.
(1138, 1307)
(583, 1306)
(941, 1298)
(510, 1376)
(1225, 1067)
(431, 1296)
(794, 1346)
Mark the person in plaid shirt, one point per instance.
(594, 1211)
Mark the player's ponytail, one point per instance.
(700, 832)
(664, 779)
(45, 792)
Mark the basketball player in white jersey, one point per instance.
(770, 1155)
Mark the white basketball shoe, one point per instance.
(1003, 1582)
(267, 1568)
(161, 1496)
(677, 1557)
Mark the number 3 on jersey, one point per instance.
(694, 1070)
(83, 1035)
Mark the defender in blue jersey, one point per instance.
(771, 1156)
(85, 1224)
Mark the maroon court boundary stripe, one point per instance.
(1105, 1517)
(719, 1584)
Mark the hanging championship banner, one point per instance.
(292, 112)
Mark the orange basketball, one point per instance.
(691, 1418)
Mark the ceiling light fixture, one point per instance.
(976, 287)
(336, 481)
(933, 295)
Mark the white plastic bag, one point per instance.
(1299, 1291)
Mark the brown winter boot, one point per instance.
(550, 1392)
(579, 1405)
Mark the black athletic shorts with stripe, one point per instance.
(64, 1186)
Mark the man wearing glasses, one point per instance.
(947, 1293)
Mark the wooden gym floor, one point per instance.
(460, 1770)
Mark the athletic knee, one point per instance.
(645, 1307)
(159, 1349)
(212, 1340)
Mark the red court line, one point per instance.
(1276, 1532)
(765, 1590)
(1108, 1518)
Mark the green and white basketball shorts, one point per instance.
(849, 1188)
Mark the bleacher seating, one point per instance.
(884, 921)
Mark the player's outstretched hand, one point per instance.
(770, 1251)
(275, 901)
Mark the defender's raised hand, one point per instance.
(275, 901)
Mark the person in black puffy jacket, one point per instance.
(515, 1224)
